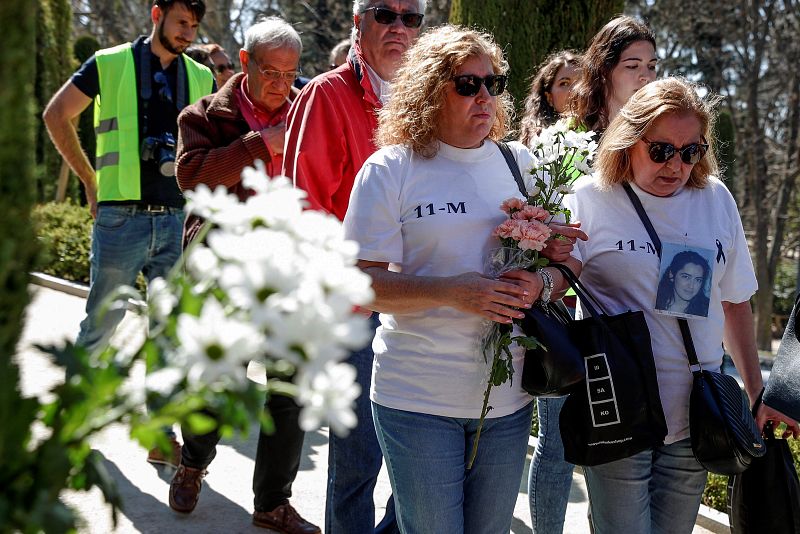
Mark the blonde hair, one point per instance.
(419, 90)
(669, 96)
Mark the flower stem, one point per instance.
(484, 411)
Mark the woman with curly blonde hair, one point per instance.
(422, 209)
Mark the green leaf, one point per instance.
(529, 342)
(200, 423)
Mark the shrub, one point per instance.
(64, 231)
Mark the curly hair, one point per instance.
(669, 96)
(589, 94)
(539, 113)
(419, 90)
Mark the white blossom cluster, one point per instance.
(277, 284)
(561, 155)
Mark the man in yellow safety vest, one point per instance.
(138, 90)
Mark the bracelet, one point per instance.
(547, 286)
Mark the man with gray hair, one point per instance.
(330, 135)
(217, 138)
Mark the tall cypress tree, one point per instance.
(48, 160)
(17, 241)
(529, 30)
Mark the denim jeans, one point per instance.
(277, 455)
(427, 457)
(550, 476)
(354, 463)
(126, 241)
(656, 491)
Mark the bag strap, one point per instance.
(592, 305)
(513, 165)
(586, 298)
(683, 324)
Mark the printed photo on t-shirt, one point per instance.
(685, 281)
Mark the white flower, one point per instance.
(530, 185)
(582, 166)
(202, 263)
(329, 395)
(205, 203)
(565, 189)
(160, 300)
(255, 178)
(215, 348)
(163, 381)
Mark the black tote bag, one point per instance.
(616, 412)
(766, 497)
(783, 387)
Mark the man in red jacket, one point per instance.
(218, 137)
(329, 136)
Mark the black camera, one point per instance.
(160, 149)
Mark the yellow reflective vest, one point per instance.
(116, 119)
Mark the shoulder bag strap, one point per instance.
(513, 165)
(686, 333)
(587, 300)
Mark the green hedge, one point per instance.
(65, 234)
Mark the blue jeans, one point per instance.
(656, 491)
(125, 241)
(427, 457)
(550, 476)
(354, 463)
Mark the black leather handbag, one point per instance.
(724, 436)
(555, 367)
(723, 433)
(783, 387)
(766, 497)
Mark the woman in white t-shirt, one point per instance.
(659, 143)
(422, 209)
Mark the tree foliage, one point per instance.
(538, 28)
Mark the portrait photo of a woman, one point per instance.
(683, 285)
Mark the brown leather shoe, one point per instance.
(285, 520)
(156, 456)
(184, 491)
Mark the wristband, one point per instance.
(547, 286)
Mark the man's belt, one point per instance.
(141, 206)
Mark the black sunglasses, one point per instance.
(662, 152)
(222, 67)
(470, 85)
(387, 16)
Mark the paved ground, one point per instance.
(226, 501)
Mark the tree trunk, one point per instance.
(17, 242)
(758, 174)
(529, 30)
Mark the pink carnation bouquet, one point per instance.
(561, 155)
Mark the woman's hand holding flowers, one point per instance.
(530, 281)
(496, 300)
(565, 236)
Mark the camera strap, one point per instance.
(147, 82)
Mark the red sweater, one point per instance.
(330, 134)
